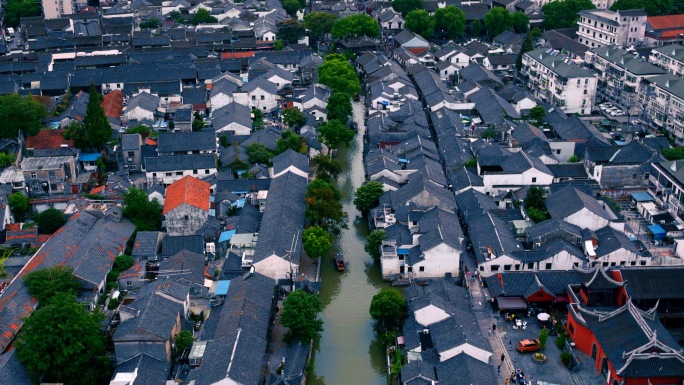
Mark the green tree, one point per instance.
(420, 22)
(289, 139)
(293, 117)
(355, 26)
(535, 33)
(150, 23)
(471, 163)
(526, 47)
(537, 114)
(323, 206)
(488, 134)
(198, 123)
(257, 119)
(44, 284)
(292, 6)
(203, 16)
(146, 215)
(319, 24)
(63, 340)
(535, 205)
(573, 159)
(326, 168)
(75, 131)
(6, 159)
(278, 45)
(388, 308)
(316, 242)
(451, 21)
(652, 7)
(543, 337)
(367, 195)
(95, 124)
(20, 114)
(373, 243)
(50, 221)
(497, 20)
(176, 17)
(182, 341)
(520, 22)
(258, 153)
(563, 13)
(339, 107)
(476, 28)
(16, 9)
(406, 6)
(19, 205)
(291, 30)
(139, 129)
(223, 139)
(338, 74)
(675, 153)
(536, 215)
(300, 315)
(333, 133)
(121, 264)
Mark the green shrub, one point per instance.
(560, 341)
(566, 358)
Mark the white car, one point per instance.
(604, 106)
(616, 112)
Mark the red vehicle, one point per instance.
(339, 262)
(528, 345)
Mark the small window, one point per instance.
(642, 263)
(169, 174)
(253, 98)
(194, 172)
(421, 268)
(530, 265)
(548, 266)
(154, 175)
(604, 264)
(494, 267)
(263, 97)
(410, 269)
(634, 176)
(179, 172)
(186, 217)
(534, 180)
(571, 327)
(206, 172)
(34, 175)
(132, 167)
(507, 267)
(131, 154)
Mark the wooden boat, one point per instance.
(339, 262)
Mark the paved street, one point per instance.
(504, 339)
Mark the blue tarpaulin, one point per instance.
(403, 251)
(658, 232)
(89, 157)
(222, 287)
(226, 235)
(642, 197)
(240, 203)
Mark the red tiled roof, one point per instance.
(666, 22)
(150, 142)
(42, 238)
(237, 55)
(113, 104)
(22, 234)
(97, 190)
(133, 271)
(187, 190)
(13, 226)
(47, 139)
(674, 33)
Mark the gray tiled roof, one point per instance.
(130, 142)
(551, 226)
(570, 200)
(174, 245)
(12, 371)
(439, 226)
(525, 283)
(149, 370)
(231, 113)
(611, 240)
(283, 218)
(180, 162)
(464, 369)
(290, 158)
(627, 61)
(653, 282)
(556, 64)
(418, 185)
(146, 244)
(186, 141)
(143, 100)
(185, 267)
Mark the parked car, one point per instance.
(605, 106)
(616, 112)
(528, 345)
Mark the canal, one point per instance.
(348, 352)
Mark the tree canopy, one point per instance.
(258, 153)
(326, 167)
(16, 9)
(676, 153)
(526, 47)
(19, 205)
(497, 20)
(373, 243)
(94, 131)
(388, 307)
(63, 340)
(537, 114)
(520, 22)
(339, 107)
(406, 6)
(367, 195)
(150, 23)
(356, 25)
(420, 22)
(292, 6)
(535, 205)
(563, 13)
(323, 207)
(198, 122)
(203, 16)
(333, 133)
(293, 117)
(291, 30)
(145, 214)
(44, 284)
(257, 119)
(652, 7)
(316, 242)
(339, 75)
(289, 139)
(450, 21)
(50, 221)
(20, 114)
(182, 341)
(300, 314)
(319, 24)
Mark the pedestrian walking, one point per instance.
(493, 327)
(503, 356)
(506, 381)
(498, 369)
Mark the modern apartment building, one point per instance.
(669, 57)
(602, 27)
(663, 96)
(556, 79)
(619, 74)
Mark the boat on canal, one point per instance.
(339, 262)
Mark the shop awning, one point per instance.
(511, 303)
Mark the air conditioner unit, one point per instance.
(129, 159)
